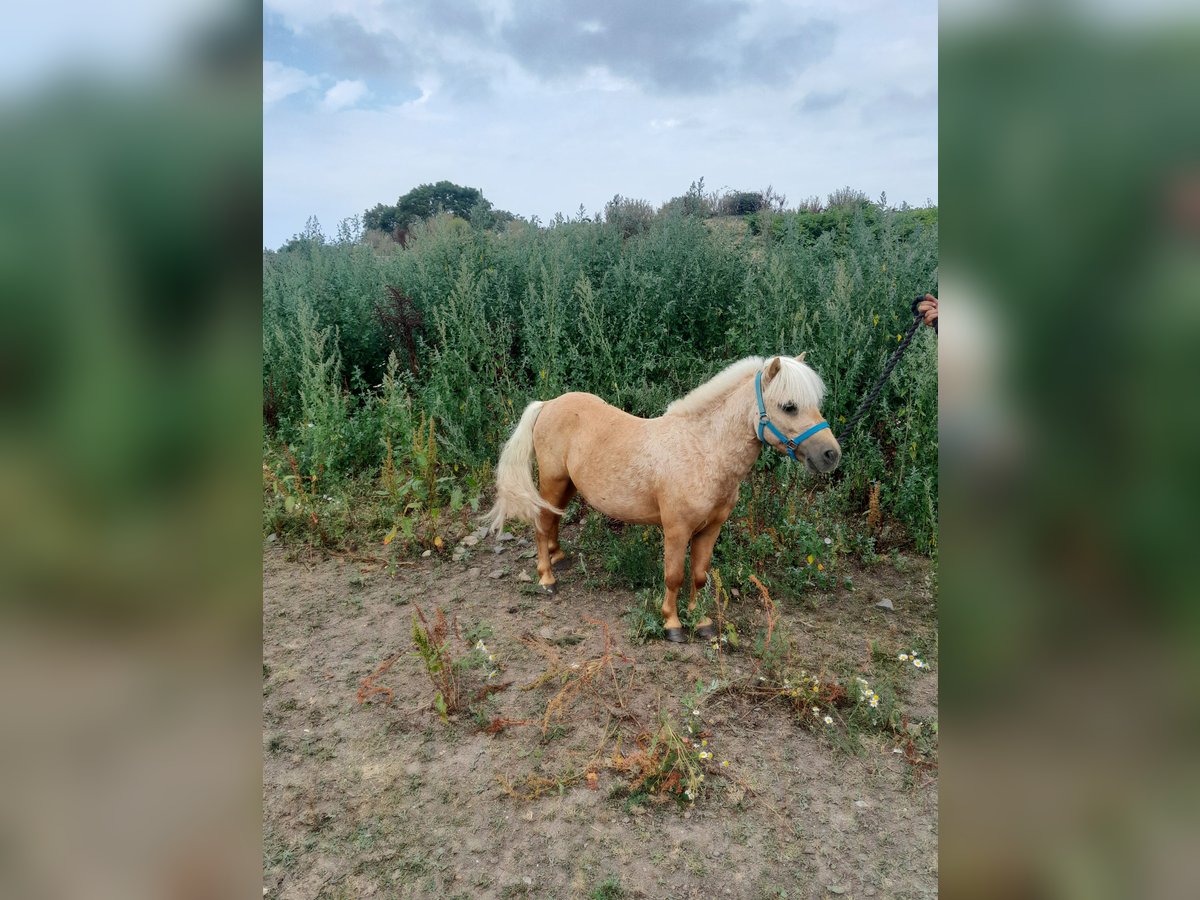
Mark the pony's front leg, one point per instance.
(675, 541)
(702, 551)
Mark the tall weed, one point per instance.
(638, 315)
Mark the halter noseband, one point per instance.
(764, 421)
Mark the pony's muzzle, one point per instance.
(825, 460)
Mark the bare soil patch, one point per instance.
(386, 800)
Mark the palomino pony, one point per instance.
(681, 471)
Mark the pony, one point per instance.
(681, 471)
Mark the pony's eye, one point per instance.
(788, 408)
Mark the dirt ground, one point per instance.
(379, 800)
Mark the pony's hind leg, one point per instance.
(556, 552)
(555, 491)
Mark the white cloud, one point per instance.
(344, 95)
(280, 81)
(536, 144)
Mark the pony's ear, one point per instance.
(800, 358)
(772, 368)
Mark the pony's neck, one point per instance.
(736, 444)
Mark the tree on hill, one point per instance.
(381, 218)
(427, 200)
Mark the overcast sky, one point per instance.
(548, 104)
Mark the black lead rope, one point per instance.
(869, 400)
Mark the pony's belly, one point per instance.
(638, 510)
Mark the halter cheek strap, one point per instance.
(764, 421)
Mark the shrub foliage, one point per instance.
(466, 324)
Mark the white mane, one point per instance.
(796, 382)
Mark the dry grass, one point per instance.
(589, 676)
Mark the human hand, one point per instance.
(929, 309)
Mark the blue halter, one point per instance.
(764, 421)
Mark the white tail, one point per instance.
(517, 496)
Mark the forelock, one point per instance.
(796, 383)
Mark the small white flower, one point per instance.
(874, 701)
(920, 664)
(902, 657)
(828, 541)
(695, 712)
(829, 720)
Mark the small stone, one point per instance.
(498, 549)
(524, 576)
(272, 537)
(836, 889)
(522, 542)
(427, 554)
(499, 573)
(505, 536)
(470, 540)
(885, 603)
(527, 880)
(479, 533)
(473, 572)
(735, 593)
(627, 820)
(861, 804)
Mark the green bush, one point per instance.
(638, 309)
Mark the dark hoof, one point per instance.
(675, 635)
(707, 632)
(550, 589)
